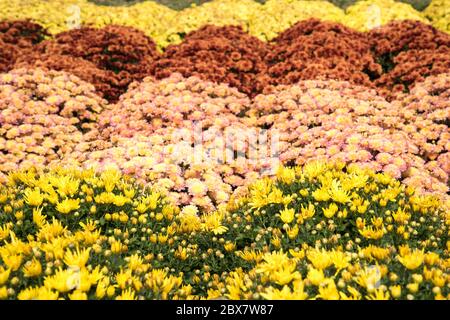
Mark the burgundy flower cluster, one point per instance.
(220, 54)
(16, 36)
(313, 49)
(21, 33)
(391, 58)
(408, 51)
(110, 58)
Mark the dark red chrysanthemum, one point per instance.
(218, 54)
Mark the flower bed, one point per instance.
(265, 21)
(43, 116)
(223, 55)
(155, 131)
(233, 150)
(391, 58)
(315, 232)
(122, 55)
